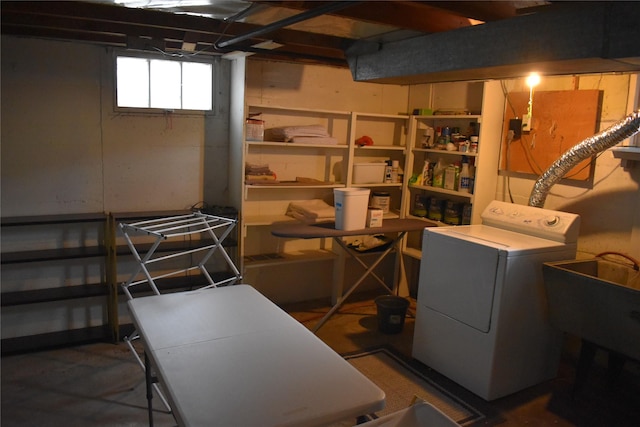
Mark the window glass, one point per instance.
(133, 82)
(163, 84)
(196, 86)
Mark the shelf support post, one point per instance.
(111, 275)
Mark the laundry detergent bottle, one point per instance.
(464, 182)
(438, 173)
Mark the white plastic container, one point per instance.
(351, 206)
(368, 173)
(381, 200)
(421, 414)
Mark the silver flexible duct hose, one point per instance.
(613, 135)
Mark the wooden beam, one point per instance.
(413, 15)
(111, 25)
(485, 11)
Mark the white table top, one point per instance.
(230, 357)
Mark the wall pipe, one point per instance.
(312, 13)
(613, 135)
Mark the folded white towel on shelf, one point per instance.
(311, 211)
(286, 133)
(327, 140)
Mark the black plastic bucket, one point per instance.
(391, 313)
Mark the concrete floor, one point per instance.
(101, 384)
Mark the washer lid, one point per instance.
(509, 241)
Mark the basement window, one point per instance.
(163, 84)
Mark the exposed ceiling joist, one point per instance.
(115, 25)
(399, 41)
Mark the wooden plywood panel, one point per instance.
(561, 119)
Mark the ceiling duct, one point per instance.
(573, 38)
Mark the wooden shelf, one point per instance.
(476, 117)
(270, 260)
(282, 186)
(379, 184)
(257, 107)
(122, 216)
(413, 253)
(70, 337)
(266, 220)
(52, 254)
(443, 191)
(361, 150)
(382, 116)
(52, 219)
(445, 152)
(54, 294)
(57, 254)
(287, 145)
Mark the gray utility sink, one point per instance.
(596, 300)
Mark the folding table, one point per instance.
(321, 230)
(230, 357)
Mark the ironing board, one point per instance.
(328, 229)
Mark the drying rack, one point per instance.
(201, 229)
(192, 225)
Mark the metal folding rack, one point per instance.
(163, 229)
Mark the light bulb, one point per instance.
(533, 80)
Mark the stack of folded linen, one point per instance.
(328, 140)
(311, 134)
(312, 211)
(254, 173)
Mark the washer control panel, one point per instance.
(547, 224)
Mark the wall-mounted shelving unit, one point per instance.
(51, 263)
(485, 100)
(329, 166)
(65, 268)
(394, 136)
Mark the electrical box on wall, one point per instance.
(516, 126)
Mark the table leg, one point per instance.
(149, 382)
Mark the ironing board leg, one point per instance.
(358, 282)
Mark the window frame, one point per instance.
(167, 57)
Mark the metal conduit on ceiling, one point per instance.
(331, 7)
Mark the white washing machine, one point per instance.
(482, 317)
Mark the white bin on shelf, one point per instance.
(368, 173)
(351, 207)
